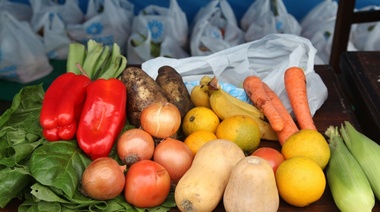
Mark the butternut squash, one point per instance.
(201, 188)
(251, 187)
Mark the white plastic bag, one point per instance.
(21, 11)
(214, 28)
(69, 12)
(263, 18)
(22, 54)
(55, 38)
(318, 26)
(109, 24)
(366, 36)
(267, 58)
(158, 31)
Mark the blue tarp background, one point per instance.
(298, 8)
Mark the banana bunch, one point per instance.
(209, 94)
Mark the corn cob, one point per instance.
(348, 183)
(366, 152)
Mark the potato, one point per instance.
(174, 89)
(142, 90)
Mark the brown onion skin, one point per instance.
(161, 120)
(134, 145)
(103, 179)
(175, 156)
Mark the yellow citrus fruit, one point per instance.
(242, 130)
(198, 138)
(200, 118)
(307, 143)
(300, 181)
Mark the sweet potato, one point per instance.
(174, 89)
(142, 90)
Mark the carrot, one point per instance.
(290, 126)
(254, 88)
(295, 85)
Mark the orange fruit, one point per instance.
(307, 143)
(198, 138)
(242, 130)
(300, 181)
(199, 118)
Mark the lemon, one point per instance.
(307, 143)
(199, 118)
(242, 130)
(300, 181)
(198, 138)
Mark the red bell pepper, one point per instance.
(103, 117)
(62, 106)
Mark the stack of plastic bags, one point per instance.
(31, 35)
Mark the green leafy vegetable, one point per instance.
(20, 134)
(60, 165)
(13, 181)
(46, 175)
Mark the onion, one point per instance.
(175, 156)
(103, 179)
(161, 120)
(135, 145)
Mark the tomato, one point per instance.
(147, 184)
(274, 157)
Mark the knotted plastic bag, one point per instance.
(158, 31)
(214, 28)
(22, 53)
(106, 22)
(264, 17)
(69, 12)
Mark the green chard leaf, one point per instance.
(30, 205)
(25, 110)
(13, 181)
(20, 134)
(59, 165)
(43, 194)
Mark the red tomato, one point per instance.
(147, 184)
(274, 157)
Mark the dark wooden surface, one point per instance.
(334, 111)
(361, 76)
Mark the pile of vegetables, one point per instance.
(106, 137)
(54, 145)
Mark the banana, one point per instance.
(243, 105)
(225, 108)
(226, 105)
(234, 103)
(199, 96)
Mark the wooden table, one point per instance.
(361, 76)
(334, 111)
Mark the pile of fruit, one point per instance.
(111, 138)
